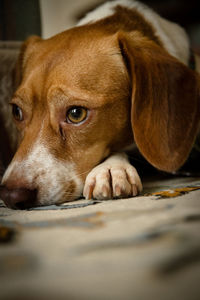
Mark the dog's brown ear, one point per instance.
(165, 110)
(23, 55)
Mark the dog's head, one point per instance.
(86, 93)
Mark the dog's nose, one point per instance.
(18, 198)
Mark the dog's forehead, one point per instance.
(74, 46)
(79, 59)
(82, 53)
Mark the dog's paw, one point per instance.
(112, 179)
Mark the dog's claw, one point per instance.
(88, 191)
(117, 191)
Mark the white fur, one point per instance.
(115, 177)
(172, 36)
(47, 174)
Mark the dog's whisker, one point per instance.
(60, 194)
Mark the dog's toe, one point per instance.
(118, 181)
(98, 184)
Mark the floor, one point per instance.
(138, 248)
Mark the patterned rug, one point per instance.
(147, 246)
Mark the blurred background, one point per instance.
(21, 18)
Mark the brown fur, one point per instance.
(67, 83)
(165, 102)
(134, 90)
(160, 124)
(127, 20)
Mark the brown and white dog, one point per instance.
(84, 96)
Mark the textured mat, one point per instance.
(138, 248)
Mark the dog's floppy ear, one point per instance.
(25, 52)
(165, 109)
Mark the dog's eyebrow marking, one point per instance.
(23, 97)
(69, 97)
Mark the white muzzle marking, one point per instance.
(41, 170)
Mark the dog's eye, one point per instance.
(76, 115)
(17, 112)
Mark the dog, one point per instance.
(123, 77)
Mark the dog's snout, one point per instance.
(18, 198)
